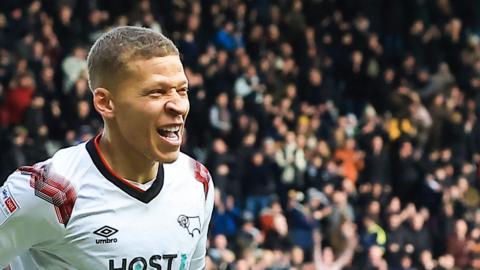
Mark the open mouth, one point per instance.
(170, 133)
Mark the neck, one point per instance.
(125, 161)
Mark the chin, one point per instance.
(169, 157)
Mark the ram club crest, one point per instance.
(191, 224)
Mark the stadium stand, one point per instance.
(340, 134)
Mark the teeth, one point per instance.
(172, 129)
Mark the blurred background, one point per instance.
(339, 134)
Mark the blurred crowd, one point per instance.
(340, 134)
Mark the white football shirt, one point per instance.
(74, 212)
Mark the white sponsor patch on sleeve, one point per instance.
(8, 205)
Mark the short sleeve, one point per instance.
(26, 220)
(198, 259)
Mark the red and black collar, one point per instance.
(105, 169)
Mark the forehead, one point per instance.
(164, 70)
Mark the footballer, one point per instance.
(128, 198)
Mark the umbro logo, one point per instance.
(106, 232)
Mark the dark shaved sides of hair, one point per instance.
(109, 56)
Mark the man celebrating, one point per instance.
(127, 199)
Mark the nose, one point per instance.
(177, 106)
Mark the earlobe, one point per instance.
(103, 102)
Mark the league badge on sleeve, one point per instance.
(8, 205)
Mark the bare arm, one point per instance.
(349, 232)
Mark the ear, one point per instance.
(103, 103)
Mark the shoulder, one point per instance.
(28, 217)
(46, 188)
(34, 195)
(69, 157)
(190, 178)
(196, 171)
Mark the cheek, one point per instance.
(187, 106)
(135, 118)
(140, 110)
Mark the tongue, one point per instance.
(167, 134)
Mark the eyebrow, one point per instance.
(164, 83)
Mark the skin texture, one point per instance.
(152, 95)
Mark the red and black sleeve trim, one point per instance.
(54, 189)
(146, 196)
(202, 175)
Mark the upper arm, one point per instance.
(198, 258)
(26, 220)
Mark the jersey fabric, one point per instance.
(74, 212)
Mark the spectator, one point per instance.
(291, 160)
(457, 245)
(220, 116)
(73, 66)
(226, 37)
(220, 254)
(373, 234)
(324, 257)
(226, 216)
(350, 159)
(277, 239)
(419, 239)
(301, 225)
(407, 176)
(377, 163)
(19, 97)
(258, 183)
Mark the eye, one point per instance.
(156, 92)
(183, 91)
